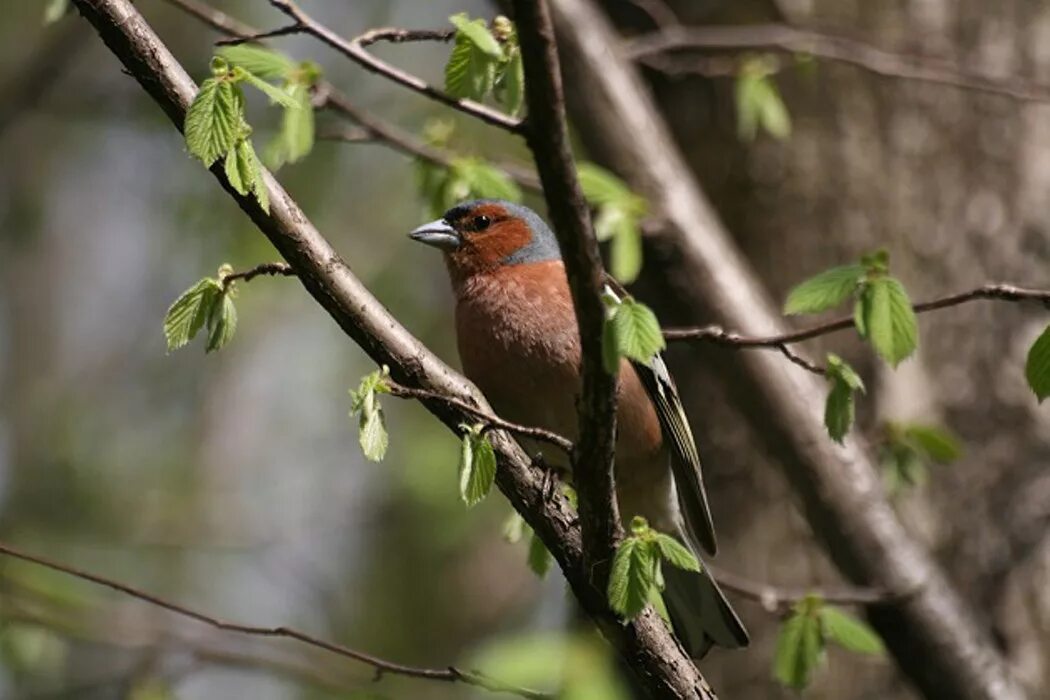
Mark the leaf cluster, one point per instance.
(207, 304)
(371, 422)
(618, 216)
(636, 575)
(805, 634)
(486, 62)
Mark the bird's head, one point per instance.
(485, 234)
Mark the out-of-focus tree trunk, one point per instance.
(954, 184)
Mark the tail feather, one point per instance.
(700, 613)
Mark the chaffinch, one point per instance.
(519, 342)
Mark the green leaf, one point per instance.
(625, 257)
(1037, 366)
(296, 137)
(937, 443)
(890, 320)
(824, 291)
(244, 172)
(510, 88)
(860, 310)
(477, 466)
(470, 72)
(372, 433)
(638, 334)
(839, 410)
(837, 367)
(188, 314)
(675, 553)
(540, 559)
(849, 632)
(610, 348)
(213, 121)
(222, 322)
(759, 104)
(484, 181)
(259, 60)
(55, 10)
(477, 33)
(633, 575)
(277, 95)
(800, 650)
(600, 186)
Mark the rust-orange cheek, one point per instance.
(486, 250)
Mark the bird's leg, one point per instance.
(551, 475)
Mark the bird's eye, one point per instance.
(480, 223)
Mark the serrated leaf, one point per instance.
(477, 467)
(839, 411)
(55, 10)
(187, 315)
(239, 170)
(890, 320)
(277, 95)
(837, 367)
(849, 632)
(1037, 366)
(539, 559)
(675, 553)
(638, 334)
(799, 652)
(222, 322)
(824, 291)
(860, 310)
(259, 60)
(372, 433)
(246, 154)
(477, 33)
(296, 137)
(632, 577)
(511, 85)
(213, 121)
(470, 72)
(485, 181)
(939, 444)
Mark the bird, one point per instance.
(518, 341)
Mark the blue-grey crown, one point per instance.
(542, 247)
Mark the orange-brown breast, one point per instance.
(519, 343)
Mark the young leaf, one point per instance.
(890, 322)
(540, 559)
(477, 33)
(510, 89)
(937, 443)
(258, 60)
(800, 648)
(610, 347)
(222, 322)
(470, 72)
(477, 466)
(824, 291)
(632, 577)
(187, 314)
(239, 170)
(675, 553)
(860, 310)
(372, 433)
(1037, 366)
(296, 137)
(600, 186)
(759, 104)
(839, 411)
(277, 95)
(638, 334)
(213, 121)
(514, 527)
(849, 632)
(485, 181)
(625, 257)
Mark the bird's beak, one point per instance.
(438, 234)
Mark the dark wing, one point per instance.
(685, 461)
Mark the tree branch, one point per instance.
(450, 674)
(778, 599)
(275, 269)
(646, 644)
(832, 47)
(720, 336)
(354, 49)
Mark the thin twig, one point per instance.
(832, 47)
(720, 336)
(450, 674)
(777, 599)
(354, 49)
(276, 269)
(491, 419)
(216, 19)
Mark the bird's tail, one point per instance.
(700, 613)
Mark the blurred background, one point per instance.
(234, 484)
